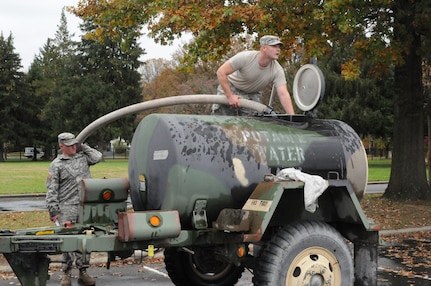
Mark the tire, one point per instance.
(200, 268)
(305, 253)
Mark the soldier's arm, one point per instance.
(93, 155)
(285, 99)
(222, 74)
(52, 186)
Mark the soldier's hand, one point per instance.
(234, 100)
(54, 218)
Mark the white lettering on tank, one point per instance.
(273, 147)
(273, 155)
(300, 152)
(283, 154)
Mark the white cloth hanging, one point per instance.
(314, 186)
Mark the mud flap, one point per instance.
(31, 269)
(365, 255)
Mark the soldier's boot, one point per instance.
(67, 278)
(85, 279)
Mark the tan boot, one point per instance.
(67, 279)
(85, 279)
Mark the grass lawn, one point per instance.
(27, 177)
(379, 170)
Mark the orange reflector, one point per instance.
(107, 195)
(154, 220)
(240, 251)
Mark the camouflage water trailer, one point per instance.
(276, 194)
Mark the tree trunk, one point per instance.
(429, 148)
(408, 171)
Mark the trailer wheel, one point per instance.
(199, 268)
(305, 253)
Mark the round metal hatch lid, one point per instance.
(308, 87)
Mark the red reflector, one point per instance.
(107, 195)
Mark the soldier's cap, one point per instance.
(270, 41)
(67, 139)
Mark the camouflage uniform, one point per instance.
(221, 109)
(62, 197)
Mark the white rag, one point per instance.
(314, 185)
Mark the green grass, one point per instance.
(27, 177)
(379, 170)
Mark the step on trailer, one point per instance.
(276, 194)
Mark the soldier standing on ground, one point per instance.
(247, 73)
(62, 198)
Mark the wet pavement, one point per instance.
(22, 203)
(405, 260)
(26, 203)
(402, 262)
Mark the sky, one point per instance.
(32, 22)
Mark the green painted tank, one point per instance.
(176, 160)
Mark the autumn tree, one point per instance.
(385, 33)
(365, 103)
(162, 78)
(412, 31)
(152, 68)
(427, 92)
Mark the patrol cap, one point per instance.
(66, 138)
(270, 41)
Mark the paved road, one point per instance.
(22, 203)
(130, 272)
(137, 271)
(376, 188)
(25, 203)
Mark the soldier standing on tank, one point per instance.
(247, 73)
(62, 197)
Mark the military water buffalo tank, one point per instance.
(176, 160)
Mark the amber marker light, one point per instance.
(155, 221)
(240, 251)
(107, 195)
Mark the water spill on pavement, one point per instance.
(406, 260)
(22, 204)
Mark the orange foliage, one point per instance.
(304, 26)
(350, 70)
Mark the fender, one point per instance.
(272, 204)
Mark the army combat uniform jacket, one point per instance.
(63, 182)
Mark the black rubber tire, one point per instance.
(305, 252)
(200, 268)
